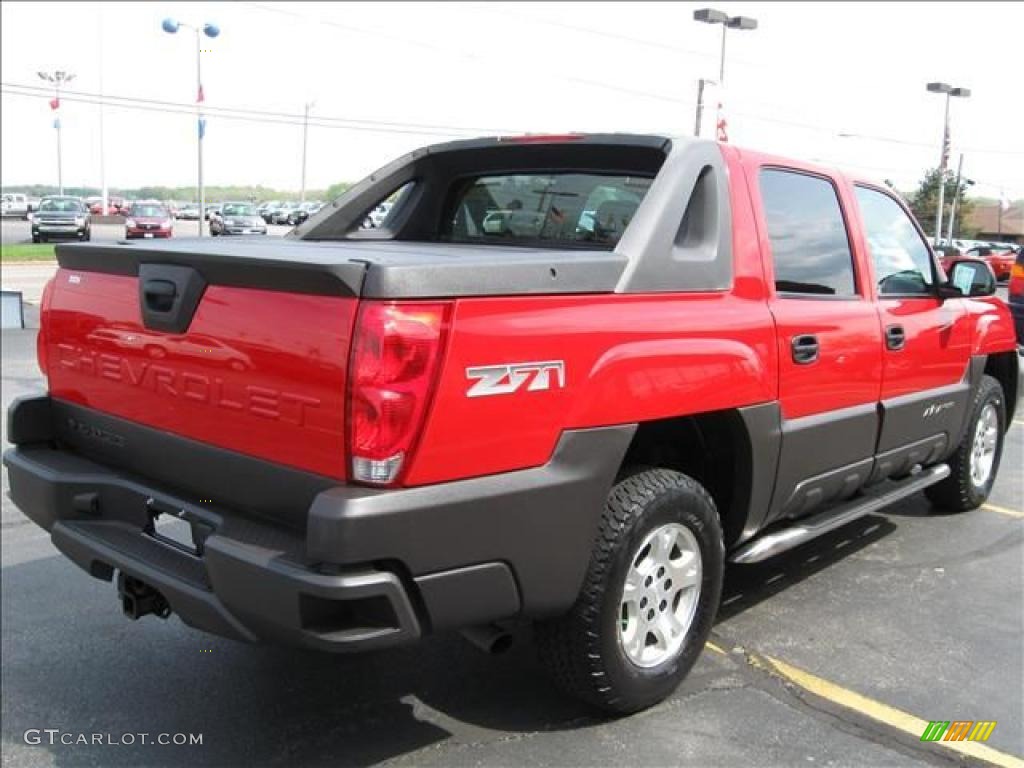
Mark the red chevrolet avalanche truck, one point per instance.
(565, 381)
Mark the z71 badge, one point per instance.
(510, 377)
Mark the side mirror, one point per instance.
(973, 277)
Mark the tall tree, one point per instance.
(925, 200)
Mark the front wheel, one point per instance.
(648, 600)
(974, 465)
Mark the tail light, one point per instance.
(44, 308)
(1017, 279)
(396, 356)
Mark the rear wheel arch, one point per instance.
(731, 453)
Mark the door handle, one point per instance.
(895, 337)
(805, 349)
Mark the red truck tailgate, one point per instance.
(257, 371)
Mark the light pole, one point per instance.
(305, 131)
(171, 27)
(57, 79)
(950, 91)
(956, 197)
(711, 16)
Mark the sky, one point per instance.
(840, 84)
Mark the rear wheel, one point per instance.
(649, 597)
(974, 465)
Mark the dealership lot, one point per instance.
(19, 231)
(917, 612)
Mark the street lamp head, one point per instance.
(940, 87)
(211, 30)
(742, 22)
(45, 76)
(961, 92)
(710, 16)
(170, 26)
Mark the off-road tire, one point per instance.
(958, 492)
(582, 648)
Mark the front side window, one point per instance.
(555, 209)
(903, 262)
(809, 244)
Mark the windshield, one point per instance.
(149, 211)
(60, 205)
(238, 209)
(554, 208)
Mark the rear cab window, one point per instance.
(561, 209)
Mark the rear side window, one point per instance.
(553, 209)
(902, 260)
(810, 247)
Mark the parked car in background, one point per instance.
(946, 255)
(96, 208)
(15, 204)
(1016, 296)
(378, 214)
(302, 212)
(237, 219)
(188, 212)
(148, 220)
(264, 209)
(1000, 259)
(61, 218)
(281, 213)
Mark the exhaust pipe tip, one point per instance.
(489, 638)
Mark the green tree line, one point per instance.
(186, 194)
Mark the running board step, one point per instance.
(809, 528)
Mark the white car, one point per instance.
(15, 204)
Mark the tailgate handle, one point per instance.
(159, 295)
(169, 295)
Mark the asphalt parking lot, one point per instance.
(829, 655)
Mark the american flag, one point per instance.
(721, 126)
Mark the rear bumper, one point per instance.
(372, 568)
(251, 582)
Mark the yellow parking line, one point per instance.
(1003, 510)
(712, 647)
(882, 712)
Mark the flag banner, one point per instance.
(714, 123)
(200, 97)
(56, 123)
(202, 127)
(947, 143)
(55, 103)
(721, 126)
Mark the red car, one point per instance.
(96, 209)
(692, 355)
(148, 220)
(1000, 259)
